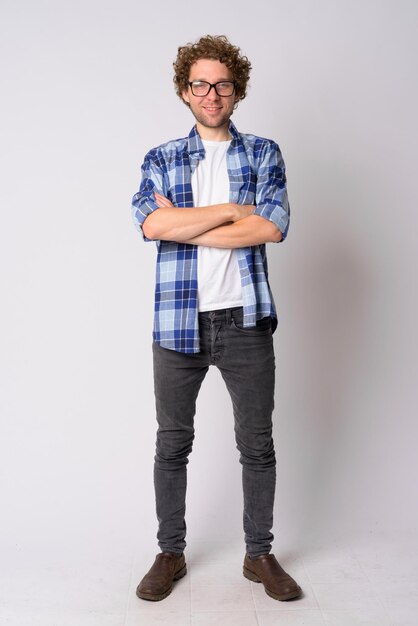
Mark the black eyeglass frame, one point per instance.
(210, 85)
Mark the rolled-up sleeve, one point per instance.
(143, 202)
(271, 192)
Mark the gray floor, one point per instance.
(368, 579)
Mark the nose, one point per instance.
(212, 93)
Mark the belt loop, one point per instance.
(228, 316)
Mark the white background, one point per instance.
(86, 92)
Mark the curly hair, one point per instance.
(212, 47)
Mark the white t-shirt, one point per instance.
(218, 276)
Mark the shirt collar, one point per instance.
(195, 146)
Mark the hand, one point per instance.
(162, 201)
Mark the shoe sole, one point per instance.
(286, 596)
(161, 596)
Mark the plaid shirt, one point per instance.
(257, 176)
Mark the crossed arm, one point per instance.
(218, 226)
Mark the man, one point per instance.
(211, 201)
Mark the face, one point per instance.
(212, 112)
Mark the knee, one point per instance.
(173, 447)
(257, 451)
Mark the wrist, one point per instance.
(234, 212)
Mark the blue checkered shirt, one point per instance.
(257, 176)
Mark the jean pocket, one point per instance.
(262, 327)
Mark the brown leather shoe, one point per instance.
(266, 569)
(157, 584)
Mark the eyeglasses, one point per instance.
(223, 88)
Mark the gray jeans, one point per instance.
(245, 358)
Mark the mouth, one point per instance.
(212, 109)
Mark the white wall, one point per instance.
(87, 90)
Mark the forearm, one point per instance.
(250, 231)
(182, 224)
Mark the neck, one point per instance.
(213, 134)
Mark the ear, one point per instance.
(185, 96)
